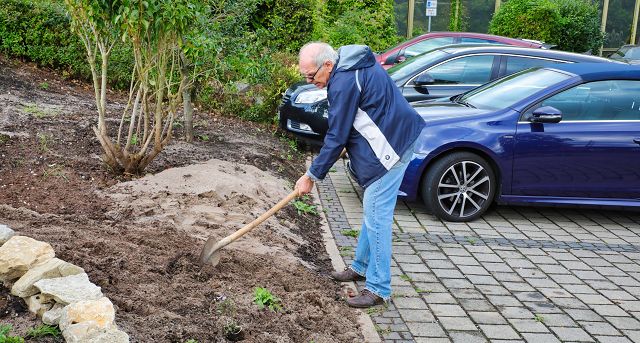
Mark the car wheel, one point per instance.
(459, 187)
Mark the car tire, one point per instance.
(451, 197)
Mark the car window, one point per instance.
(464, 70)
(426, 45)
(633, 53)
(517, 63)
(506, 91)
(413, 65)
(478, 41)
(598, 100)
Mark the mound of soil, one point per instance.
(139, 238)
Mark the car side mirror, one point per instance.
(393, 58)
(546, 114)
(424, 79)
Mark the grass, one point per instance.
(375, 310)
(420, 290)
(55, 170)
(4, 335)
(38, 112)
(350, 233)
(43, 331)
(346, 251)
(264, 299)
(382, 331)
(303, 207)
(472, 240)
(44, 140)
(4, 138)
(43, 85)
(538, 318)
(405, 277)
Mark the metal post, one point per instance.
(497, 6)
(634, 26)
(603, 26)
(412, 4)
(429, 27)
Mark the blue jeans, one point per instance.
(373, 253)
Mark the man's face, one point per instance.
(318, 75)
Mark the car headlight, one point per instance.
(311, 96)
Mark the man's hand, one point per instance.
(304, 185)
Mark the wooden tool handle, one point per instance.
(232, 237)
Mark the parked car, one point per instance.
(560, 135)
(433, 40)
(443, 72)
(627, 53)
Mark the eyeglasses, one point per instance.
(312, 77)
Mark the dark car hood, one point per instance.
(436, 111)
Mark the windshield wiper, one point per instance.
(458, 100)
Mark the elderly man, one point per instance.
(371, 119)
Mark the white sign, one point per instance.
(432, 3)
(431, 12)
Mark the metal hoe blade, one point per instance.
(210, 253)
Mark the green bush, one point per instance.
(39, 31)
(343, 22)
(286, 24)
(572, 25)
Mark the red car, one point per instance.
(434, 40)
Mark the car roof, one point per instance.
(488, 48)
(532, 43)
(599, 71)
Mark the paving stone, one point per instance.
(442, 310)
(624, 323)
(499, 332)
(612, 339)
(559, 319)
(424, 316)
(600, 328)
(516, 312)
(593, 299)
(572, 334)
(468, 337)
(409, 303)
(476, 305)
(439, 298)
(426, 330)
(528, 325)
(609, 310)
(501, 300)
(457, 323)
(540, 337)
(584, 315)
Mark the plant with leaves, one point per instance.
(263, 298)
(4, 335)
(156, 31)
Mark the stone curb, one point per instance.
(364, 320)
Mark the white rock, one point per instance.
(84, 333)
(52, 317)
(38, 305)
(5, 233)
(69, 289)
(19, 254)
(99, 313)
(52, 268)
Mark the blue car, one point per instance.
(560, 135)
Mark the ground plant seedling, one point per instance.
(44, 140)
(346, 251)
(472, 240)
(55, 170)
(351, 233)
(233, 331)
(421, 290)
(304, 207)
(405, 277)
(539, 318)
(44, 85)
(6, 338)
(264, 298)
(43, 331)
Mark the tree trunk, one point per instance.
(186, 98)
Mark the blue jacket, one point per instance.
(368, 115)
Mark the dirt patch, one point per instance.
(139, 238)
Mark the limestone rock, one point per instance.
(19, 254)
(86, 333)
(5, 233)
(69, 289)
(52, 268)
(99, 313)
(52, 317)
(38, 305)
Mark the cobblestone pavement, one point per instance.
(516, 275)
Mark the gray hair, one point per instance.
(321, 51)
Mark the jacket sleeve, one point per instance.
(344, 97)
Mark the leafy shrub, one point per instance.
(39, 31)
(286, 24)
(343, 22)
(572, 25)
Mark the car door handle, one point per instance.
(636, 140)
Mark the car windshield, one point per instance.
(508, 90)
(618, 55)
(410, 66)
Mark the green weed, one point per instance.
(350, 233)
(44, 330)
(134, 139)
(37, 112)
(231, 328)
(420, 290)
(303, 207)
(405, 277)
(346, 251)
(382, 331)
(263, 298)
(4, 335)
(4, 138)
(43, 85)
(333, 170)
(204, 138)
(44, 140)
(226, 307)
(472, 240)
(56, 170)
(539, 318)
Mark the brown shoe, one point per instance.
(347, 275)
(366, 299)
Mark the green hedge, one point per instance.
(39, 31)
(572, 25)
